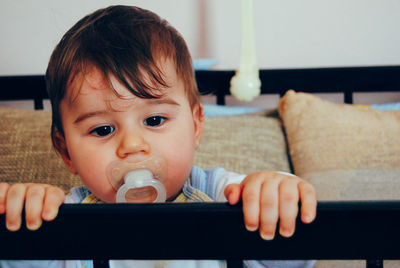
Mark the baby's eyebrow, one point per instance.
(163, 101)
(101, 112)
(88, 115)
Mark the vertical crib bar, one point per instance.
(234, 263)
(348, 96)
(38, 103)
(220, 98)
(374, 263)
(101, 264)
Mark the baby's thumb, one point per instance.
(232, 193)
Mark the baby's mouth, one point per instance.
(117, 170)
(138, 181)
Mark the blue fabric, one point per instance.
(204, 181)
(204, 64)
(219, 110)
(387, 106)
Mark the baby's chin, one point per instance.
(172, 197)
(109, 197)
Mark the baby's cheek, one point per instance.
(109, 196)
(105, 193)
(177, 176)
(99, 185)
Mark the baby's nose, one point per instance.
(132, 144)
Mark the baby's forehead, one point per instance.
(94, 79)
(144, 83)
(82, 81)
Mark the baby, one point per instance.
(124, 97)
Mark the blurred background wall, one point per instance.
(289, 33)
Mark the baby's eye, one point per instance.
(154, 121)
(102, 131)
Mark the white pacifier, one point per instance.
(141, 185)
(138, 182)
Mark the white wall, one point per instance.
(29, 30)
(289, 33)
(311, 33)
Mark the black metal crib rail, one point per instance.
(366, 230)
(346, 80)
(275, 81)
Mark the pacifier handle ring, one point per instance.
(139, 183)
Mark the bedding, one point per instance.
(25, 142)
(227, 142)
(26, 151)
(347, 152)
(220, 110)
(386, 106)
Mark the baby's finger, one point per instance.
(308, 198)
(232, 193)
(14, 204)
(3, 192)
(251, 203)
(269, 208)
(33, 206)
(288, 206)
(54, 198)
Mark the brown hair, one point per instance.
(122, 41)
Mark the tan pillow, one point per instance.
(244, 143)
(26, 152)
(347, 152)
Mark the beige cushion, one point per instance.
(26, 151)
(243, 144)
(347, 152)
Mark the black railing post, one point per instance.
(348, 96)
(374, 263)
(101, 263)
(234, 263)
(220, 98)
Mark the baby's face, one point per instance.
(102, 129)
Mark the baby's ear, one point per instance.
(61, 146)
(198, 119)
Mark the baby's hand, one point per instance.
(269, 196)
(41, 202)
